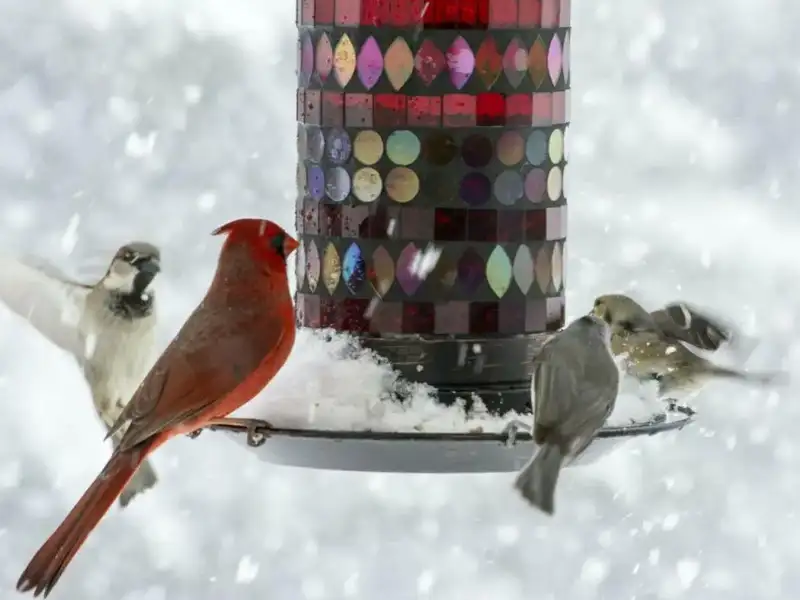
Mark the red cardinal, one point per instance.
(231, 346)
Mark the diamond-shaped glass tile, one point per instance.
(499, 271)
(344, 60)
(523, 269)
(324, 57)
(488, 62)
(543, 268)
(381, 275)
(515, 62)
(558, 266)
(554, 59)
(312, 266)
(470, 271)
(429, 62)
(370, 63)
(306, 60)
(406, 274)
(398, 63)
(460, 62)
(300, 265)
(537, 62)
(565, 58)
(331, 268)
(354, 268)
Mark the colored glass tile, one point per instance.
(439, 148)
(312, 266)
(550, 13)
(475, 189)
(323, 12)
(367, 184)
(353, 216)
(324, 57)
(418, 317)
(460, 62)
(381, 272)
(498, 271)
(510, 225)
(488, 62)
(387, 317)
(502, 14)
(330, 219)
(554, 313)
(424, 111)
(450, 225)
(354, 268)
(337, 184)
(476, 150)
(338, 146)
(483, 318)
(368, 147)
(306, 59)
(542, 268)
(306, 8)
(331, 268)
(402, 185)
(510, 148)
(530, 13)
(515, 62)
(452, 318)
(310, 217)
(537, 62)
(556, 222)
(316, 144)
(310, 310)
(429, 62)
(554, 184)
(523, 269)
(300, 265)
(403, 147)
(328, 312)
(554, 59)
(535, 185)
(358, 110)
(458, 110)
(558, 267)
(351, 315)
(416, 223)
(536, 147)
(542, 108)
(302, 179)
(406, 273)
(371, 13)
(482, 225)
(316, 182)
(470, 271)
(344, 60)
(332, 109)
(565, 64)
(302, 141)
(511, 316)
(519, 109)
(508, 187)
(370, 63)
(398, 63)
(555, 147)
(347, 12)
(559, 107)
(535, 225)
(312, 109)
(490, 109)
(389, 110)
(565, 13)
(535, 315)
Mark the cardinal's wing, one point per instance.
(44, 297)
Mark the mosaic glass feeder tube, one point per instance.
(431, 207)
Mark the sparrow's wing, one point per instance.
(688, 324)
(51, 304)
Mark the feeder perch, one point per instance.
(431, 211)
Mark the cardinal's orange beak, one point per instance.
(289, 245)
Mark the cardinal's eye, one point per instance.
(277, 243)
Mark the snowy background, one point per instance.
(163, 119)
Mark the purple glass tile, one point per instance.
(535, 185)
(316, 182)
(470, 271)
(452, 318)
(339, 147)
(406, 274)
(460, 62)
(475, 189)
(370, 63)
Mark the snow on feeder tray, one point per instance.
(335, 406)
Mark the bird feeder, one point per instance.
(431, 209)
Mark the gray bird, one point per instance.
(573, 391)
(656, 344)
(108, 327)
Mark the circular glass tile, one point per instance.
(439, 148)
(403, 147)
(337, 185)
(316, 144)
(402, 185)
(536, 148)
(556, 146)
(554, 182)
(338, 146)
(477, 151)
(367, 184)
(535, 185)
(508, 187)
(475, 189)
(510, 148)
(368, 147)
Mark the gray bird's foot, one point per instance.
(511, 430)
(256, 428)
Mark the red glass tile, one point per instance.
(535, 224)
(530, 13)
(333, 109)
(401, 13)
(371, 12)
(510, 225)
(502, 14)
(484, 317)
(424, 111)
(483, 14)
(554, 313)
(327, 312)
(542, 109)
(358, 110)
(511, 316)
(389, 110)
(416, 224)
(300, 113)
(468, 13)
(347, 12)
(550, 10)
(323, 12)
(450, 224)
(307, 12)
(452, 318)
(310, 217)
(565, 13)
(352, 315)
(482, 225)
(313, 107)
(418, 317)
(330, 219)
(458, 110)
(310, 310)
(387, 317)
(559, 107)
(519, 109)
(490, 109)
(535, 315)
(352, 218)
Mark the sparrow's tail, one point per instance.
(766, 378)
(537, 480)
(144, 479)
(48, 564)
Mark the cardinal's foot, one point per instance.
(256, 428)
(674, 406)
(511, 430)
(194, 433)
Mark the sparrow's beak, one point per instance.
(149, 266)
(289, 245)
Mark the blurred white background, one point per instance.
(162, 120)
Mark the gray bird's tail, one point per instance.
(143, 479)
(537, 480)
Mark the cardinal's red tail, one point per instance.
(48, 564)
